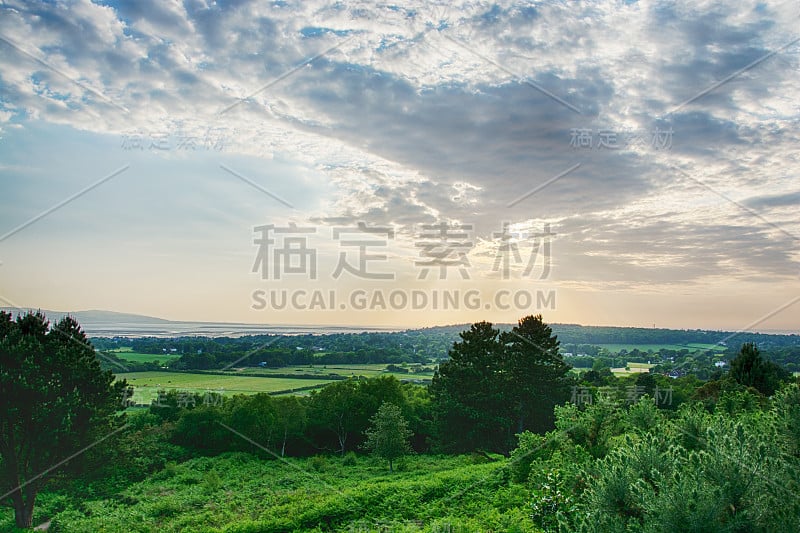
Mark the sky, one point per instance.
(403, 164)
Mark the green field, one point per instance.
(136, 357)
(371, 370)
(640, 365)
(632, 368)
(147, 384)
(616, 348)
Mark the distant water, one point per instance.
(211, 329)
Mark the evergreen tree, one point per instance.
(536, 378)
(56, 402)
(467, 393)
(752, 370)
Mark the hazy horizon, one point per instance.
(254, 326)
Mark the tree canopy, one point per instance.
(56, 402)
(388, 434)
(496, 385)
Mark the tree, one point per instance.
(388, 435)
(56, 402)
(337, 408)
(536, 378)
(292, 418)
(751, 370)
(467, 394)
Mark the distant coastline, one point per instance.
(99, 323)
(112, 324)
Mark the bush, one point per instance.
(318, 463)
(211, 481)
(349, 459)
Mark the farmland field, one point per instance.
(632, 368)
(616, 348)
(136, 357)
(147, 384)
(366, 370)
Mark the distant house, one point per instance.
(720, 364)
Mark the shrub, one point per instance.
(318, 463)
(349, 459)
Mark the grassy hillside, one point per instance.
(240, 493)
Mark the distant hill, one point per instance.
(93, 316)
(98, 323)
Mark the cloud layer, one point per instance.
(682, 117)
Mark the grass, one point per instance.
(241, 493)
(136, 357)
(371, 370)
(147, 384)
(692, 347)
(632, 368)
(640, 365)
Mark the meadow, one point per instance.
(240, 493)
(147, 384)
(135, 357)
(632, 368)
(355, 370)
(692, 347)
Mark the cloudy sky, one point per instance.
(641, 156)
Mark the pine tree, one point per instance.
(56, 403)
(536, 378)
(468, 395)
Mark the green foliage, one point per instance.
(211, 481)
(388, 435)
(257, 496)
(751, 370)
(349, 459)
(535, 377)
(343, 410)
(729, 462)
(496, 385)
(591, 427)
(786, 405)
(467, 393)
(318, 463)
(552, 500)
(702, 472)
(55, 401)
(644, 415)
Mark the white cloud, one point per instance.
(452, 111)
